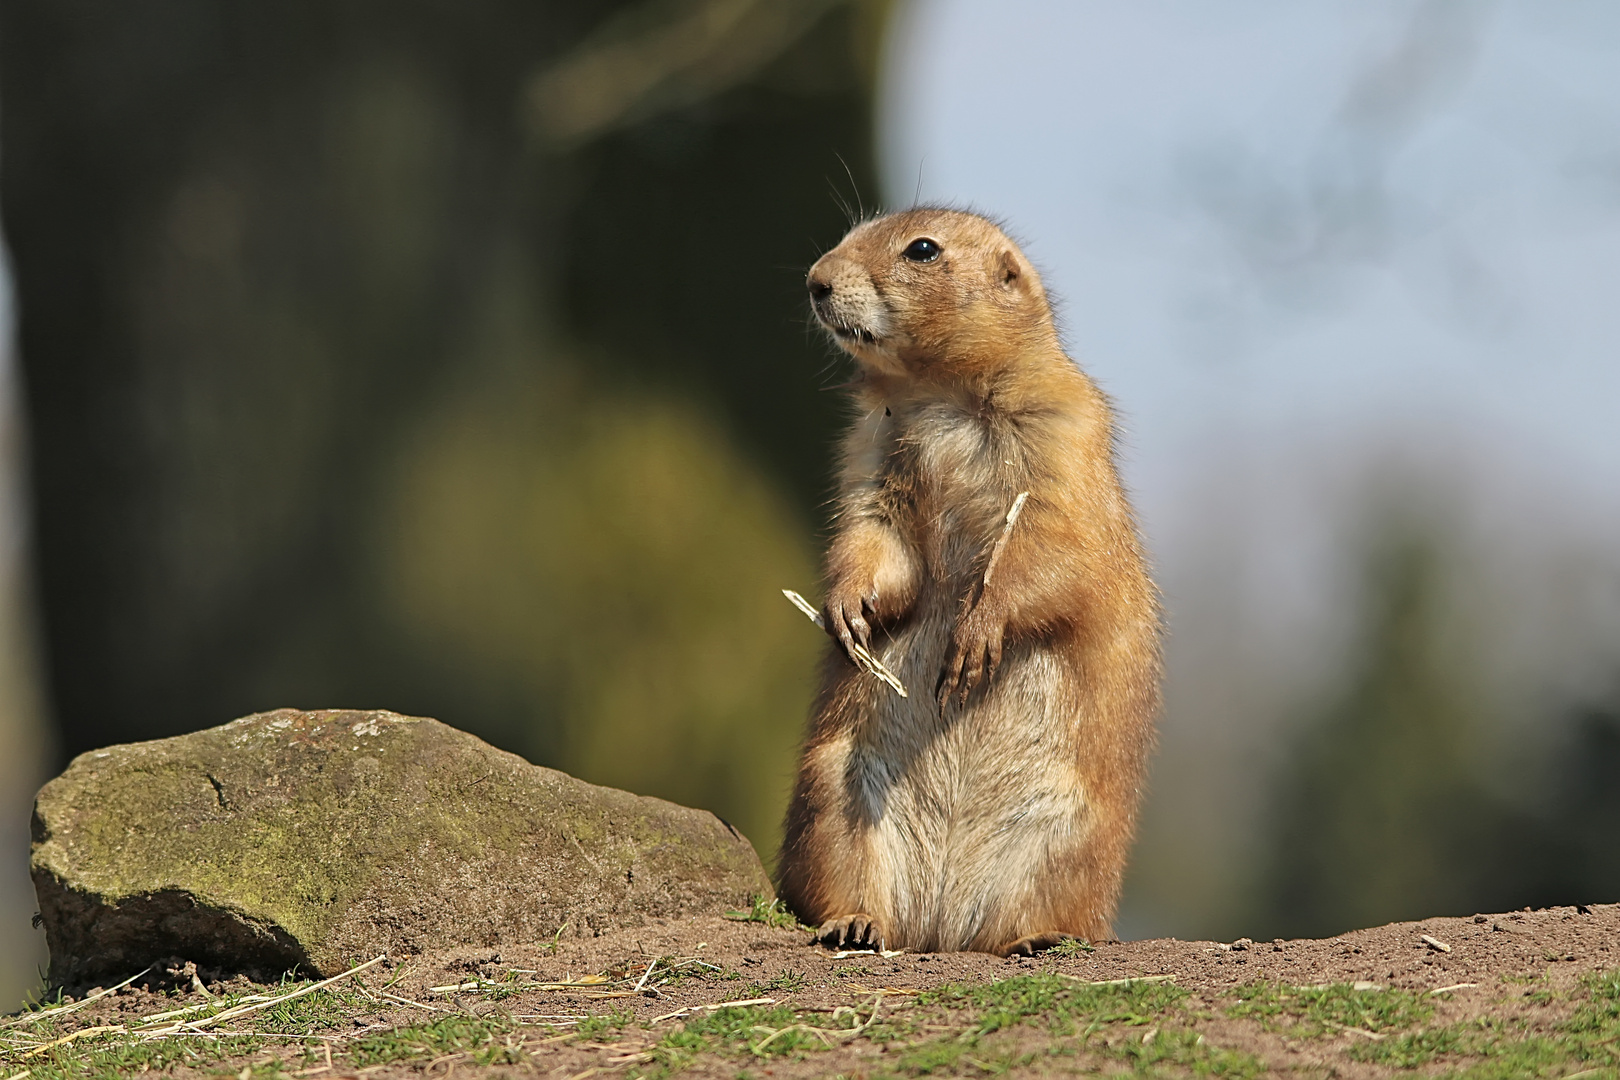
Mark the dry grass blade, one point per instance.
(1006, 532)
(81, 1033)
(60, 1010)
(712, 1007)
(826, 1035)
(772, 1034)
(564, 1037)
(804, 605)
(610, 994)
(199, 1007)
(630, 1059)
(243, 1010)
(875, 667)
(862, 655)
(1435, 943)
(479, 986)
(1117, 982)
(414, 1004)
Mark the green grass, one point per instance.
(1137, 1027)
(663, 972)
(604, 1027)
(1188, 1050)
(113, 1057)
(936, 1056)
(1490, 1049)
(1067, 1007)
(770, 912)
(950, 1055)
(747, 1028)
(483, 1038)
(1493, 1052)
(1072, 946)
(1061, 1002)
(1318, 1009)
(1063, 1005)
(673, 971)
(1414, 1049)
(759, 1032)
(786, 983)
(122, 1053)
(290, 1025)
(324, 1010)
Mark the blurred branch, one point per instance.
(662, 55)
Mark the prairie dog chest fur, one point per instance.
(993, 807)
(948, 474)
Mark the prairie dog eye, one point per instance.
(921, 250)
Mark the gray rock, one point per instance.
(318, 839)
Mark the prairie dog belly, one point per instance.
(965, 813)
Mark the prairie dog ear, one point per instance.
(1010, 271)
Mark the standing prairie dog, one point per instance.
(993, 808)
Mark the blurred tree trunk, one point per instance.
(22, 719)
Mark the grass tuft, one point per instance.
(604, 1027)
(480, 1037)
(770, 912)
(1487, 1049)
(1061, 1001)
(786, 983)
(1333, 1007)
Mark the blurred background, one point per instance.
(454, 360)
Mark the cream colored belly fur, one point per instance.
(956, 818)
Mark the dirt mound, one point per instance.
(1500, 995)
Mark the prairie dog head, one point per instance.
(931, 292)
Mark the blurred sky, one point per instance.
(1307, 220)
(1310, 249)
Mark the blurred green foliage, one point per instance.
(441, 358)
(1408, 797)
(609, 557)
(1379, 812)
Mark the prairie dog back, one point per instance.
(993, 808)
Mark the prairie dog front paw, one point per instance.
(848, 614)
(974, 655)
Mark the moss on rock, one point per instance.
(315, 838)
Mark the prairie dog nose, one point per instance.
(820, 287)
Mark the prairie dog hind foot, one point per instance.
(857, 931)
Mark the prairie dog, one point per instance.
(991, 810)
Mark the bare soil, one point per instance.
(1518, 976)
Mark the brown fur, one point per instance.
(993, 809)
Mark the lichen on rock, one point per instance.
(311, 839)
